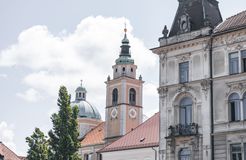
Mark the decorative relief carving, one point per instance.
(235, 87)
(205, 84)
(162, 91)
(235, 39)
(162, 153)
(183, 88)
(163, 59)
(183, 57)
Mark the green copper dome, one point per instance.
(86, 110)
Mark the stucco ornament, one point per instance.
(114, 113)
(132, 113)
(162, 91)
(236, 86)
(205, 84)
(163, 58)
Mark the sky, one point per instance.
(48, 43)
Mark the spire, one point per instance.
(125, 47)
(125, 55)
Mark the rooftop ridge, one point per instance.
(152, 118)
(235, 15)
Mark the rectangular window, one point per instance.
(184, 72)
(233, 63)
(244, 150)
(243, 56)
(236, 152)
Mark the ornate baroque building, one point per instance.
(202, 85)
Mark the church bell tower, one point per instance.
(124, 96)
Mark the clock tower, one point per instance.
(124, 96)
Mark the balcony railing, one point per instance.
(183, 130)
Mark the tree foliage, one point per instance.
(38, 146)
(63, 141)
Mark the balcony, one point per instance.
(183, 130)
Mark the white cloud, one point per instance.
(64, 59)
(4, 76)
(7, 135)
(30, 95)
(150, 89)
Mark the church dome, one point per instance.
(86, 110)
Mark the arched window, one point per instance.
(184, 154)
(132, 96)
(115, 97)
(234, 107)
(186, 111)
(244, 106)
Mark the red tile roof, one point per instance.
(95, 136)
(145, 135)
(7, 153)
(235, 22)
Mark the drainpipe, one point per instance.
(155, 152)
(211, 95)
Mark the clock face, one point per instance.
(132, 113)
(114, 113)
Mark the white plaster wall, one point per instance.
(133, 154)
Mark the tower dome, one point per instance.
(86, 110)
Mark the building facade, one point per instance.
(202, 84)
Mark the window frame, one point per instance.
(243, 61)
(184, 72)
(236, 152)
(185, 155)
(234, 102)
(187, 108)
(232, 60)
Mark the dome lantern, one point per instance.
(86, 110)
(80, 93)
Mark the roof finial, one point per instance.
(81, 82)
(125, 29)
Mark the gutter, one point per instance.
(211, 95)
(155, 152)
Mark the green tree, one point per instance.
(38, 146)
(64, 143)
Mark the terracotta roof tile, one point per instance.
(233, 22)
(145, 135)
(95, 136)
(7, 153)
